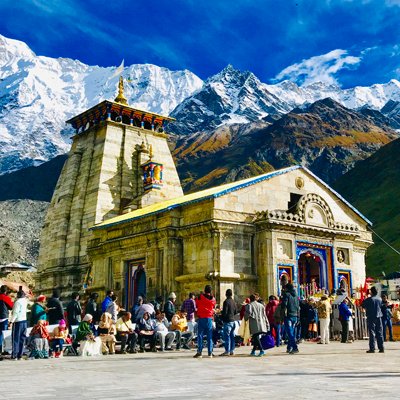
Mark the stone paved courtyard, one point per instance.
(327, 371)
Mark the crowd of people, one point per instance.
(97, 328)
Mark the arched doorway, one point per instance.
(312, 270)
(136, 283)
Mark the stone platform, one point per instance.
(334, 371)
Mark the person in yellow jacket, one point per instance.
(179, 325)
(324, 316)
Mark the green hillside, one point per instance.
(373, 186)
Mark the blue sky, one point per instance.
(346, 42)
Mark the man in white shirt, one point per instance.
(19, 325)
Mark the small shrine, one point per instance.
(152, 173)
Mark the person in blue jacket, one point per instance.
(345, 314)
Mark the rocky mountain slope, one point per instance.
(20, 225)
(325, 136)
(373, 186)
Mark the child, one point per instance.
(59, 337)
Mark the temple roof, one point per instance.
(99, 110)
(214, 192)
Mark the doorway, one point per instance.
(136, 283)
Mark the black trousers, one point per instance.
(345, 331)
(255, 340)
(147, 338)
(129, 339)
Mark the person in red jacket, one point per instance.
(6, 304)
(270, 309)
(205, 305)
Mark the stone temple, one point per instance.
(119, 219)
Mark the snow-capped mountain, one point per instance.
(232, 96)
(38, 94)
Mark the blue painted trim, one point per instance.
(323, 269)
(294, 273)
(351, 278)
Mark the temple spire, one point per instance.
(121, 97)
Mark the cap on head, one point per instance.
(172, 295)
(41, 298)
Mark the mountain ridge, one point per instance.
(38, 93)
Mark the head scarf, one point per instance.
(62, 323)
(40, 329)
(105, 321)
(87, 317)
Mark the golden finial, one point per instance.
(151, 154)
(121, 98)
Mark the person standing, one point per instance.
(189, 307)
(19, 325)
(113, 308)
(258, 323)
(387, 318)
(169, 308)
(270, 309)
(107, 300)
(324, 315)
(55, 309)
(229, 310)
(290, 310)
(92, 307)
(373, 309)
(205, 305)
(6, 304)
(344, 316)
(74, 311)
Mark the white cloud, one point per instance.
(321, 68)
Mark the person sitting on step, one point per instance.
(179, 326)
(126, 333)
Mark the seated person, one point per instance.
(58, 338)
(146, 332)
(179, 326)
(106, 331)
(39, 340)
(89, 345)
(126, 333)
(162, 334)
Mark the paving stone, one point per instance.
(331, 371)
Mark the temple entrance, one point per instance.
(314, 269)
(135, 283)
(310, 272)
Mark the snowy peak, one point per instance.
(13, 50)
(38, 94)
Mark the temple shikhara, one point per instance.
(119, 219)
